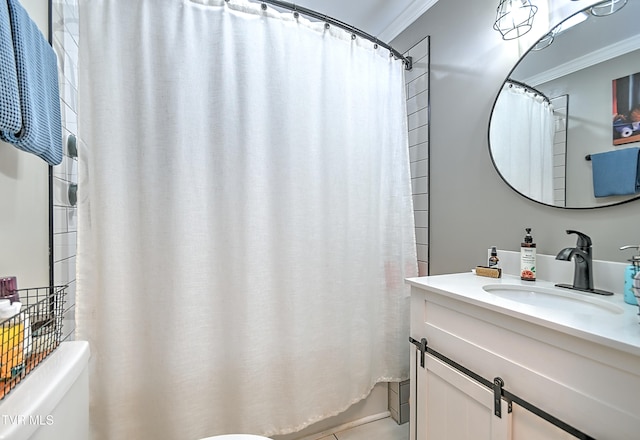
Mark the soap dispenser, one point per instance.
(630, 272)
(528, 258)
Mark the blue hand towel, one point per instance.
(10, 117)
(37, 67)
(616, 173)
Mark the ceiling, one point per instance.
(384, 19)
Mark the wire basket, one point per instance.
(30, 336)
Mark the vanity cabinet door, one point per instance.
(452, 406)
(528, 426)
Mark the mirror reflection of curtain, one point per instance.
(522, 142)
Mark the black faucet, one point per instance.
(583, 272)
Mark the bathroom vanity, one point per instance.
(484, 346)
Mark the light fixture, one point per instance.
(607, 8)
(514, 18)
(545, 41)
(570, 22)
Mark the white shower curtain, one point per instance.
(522, 132)
(245, 218)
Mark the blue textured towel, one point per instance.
(10, 117)
(37, 68)
(615, 173)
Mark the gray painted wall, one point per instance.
(470, 206)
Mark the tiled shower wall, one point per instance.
(417, 83)
(560, 113)
(417, 86)
(64, 17)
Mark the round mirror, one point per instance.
(569, 97)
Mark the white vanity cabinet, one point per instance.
(450, 405)
(572, 366)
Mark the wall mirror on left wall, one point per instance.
(561, 112)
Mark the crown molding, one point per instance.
(410, 14)
(595, 57)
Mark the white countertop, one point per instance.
(619, 331)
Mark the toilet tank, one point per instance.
(52, 402)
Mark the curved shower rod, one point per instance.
(408, 64)
(529, 88)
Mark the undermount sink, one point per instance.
(557, 299)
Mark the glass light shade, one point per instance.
(514, 18)
(545, 41)
(607, 8)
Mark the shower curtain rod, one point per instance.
(408, 64)
(530, 89)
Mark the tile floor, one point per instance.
(383, 429)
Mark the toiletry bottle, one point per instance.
(493, 258)
(8, 289)
(528, 258)
(11, 339)
(630, 272)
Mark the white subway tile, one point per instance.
(419, 152)
(417, 102)
(418, 85)
(422, 251)
(59, 219)
(60, 192)
(559, 183)
(559, 146)
(419, 135)
(419, 50)
(421, 219)
(420, 202)
(420, 185)
(64, 272)
(64, 246)
(72, 219)
(419, 168)
(60, 170)
(418, 119)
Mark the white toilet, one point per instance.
(236, 437)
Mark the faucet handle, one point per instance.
(584, 241)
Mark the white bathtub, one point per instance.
(52, 402)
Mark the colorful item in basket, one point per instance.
(9, 288)
(12, 346)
